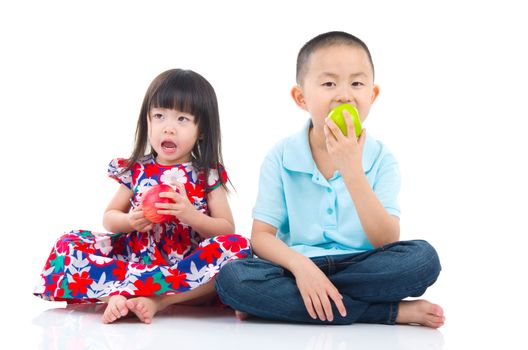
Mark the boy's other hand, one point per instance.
(317, 291)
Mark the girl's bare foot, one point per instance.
(241, 315)
(115, 309)
(144, 308)
(420, 312)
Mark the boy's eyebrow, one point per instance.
(334, 75)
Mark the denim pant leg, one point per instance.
(385, 276)
(266, 290)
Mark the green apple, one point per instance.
(337, 116)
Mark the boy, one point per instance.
(326, 226)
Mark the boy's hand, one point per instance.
(345, 151)
(317, 291)
(137, 220)
(182, 208)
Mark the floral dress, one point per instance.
(84, 266)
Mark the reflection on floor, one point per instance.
(80, 327)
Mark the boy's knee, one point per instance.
(427, 258)
(232, 275)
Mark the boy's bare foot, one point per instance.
(144, 308)
(241, 315)
(420, 312)
(115, 309)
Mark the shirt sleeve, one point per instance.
(216, 178)
(270, 206)
(387, 184)
(116, 171)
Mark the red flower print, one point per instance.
(51, 286)
(176, 279)
(81, 283)
(63, 244)
(84, 247)
(180, 241)
(151, 169)
(233, 243)
(121, 162)
(147, 288)
(210, 252)
(194, 191)
(120, 270)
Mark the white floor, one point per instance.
(79, 327)
(37, 324)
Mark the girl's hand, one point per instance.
(345, 151)
(182, 208)
(317, 291)
(137, 220)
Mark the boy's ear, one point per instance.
(298, 97)
(375, 93)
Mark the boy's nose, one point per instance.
(344, 98)
(344, 95)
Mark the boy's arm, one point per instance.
(346, 152)
(315, 288)
(380, 227)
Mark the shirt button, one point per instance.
(329, 190)
(329, 211)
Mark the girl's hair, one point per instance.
(188, 92)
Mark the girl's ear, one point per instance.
(298, 96)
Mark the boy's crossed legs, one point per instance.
(372, 284)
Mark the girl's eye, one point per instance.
(329, 84)
(182, 118)
(157, 116)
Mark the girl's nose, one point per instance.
(169, 130)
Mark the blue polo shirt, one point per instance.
(315, 216)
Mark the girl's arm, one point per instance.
(316, 289)
(219, 223)
(118, 217)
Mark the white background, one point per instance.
(452, 108)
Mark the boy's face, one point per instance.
(336, 74)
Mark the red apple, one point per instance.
(152, 197)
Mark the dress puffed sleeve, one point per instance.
(216, 178)
(116, 170)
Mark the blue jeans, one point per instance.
(372, 283)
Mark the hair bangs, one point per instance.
(178, 92)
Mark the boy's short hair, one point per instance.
(326, 40)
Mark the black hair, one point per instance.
(325, 40)
(188, 92)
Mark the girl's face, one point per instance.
(172, 134)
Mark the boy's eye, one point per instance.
(357, 83)
(329, 84)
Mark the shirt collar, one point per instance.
(298, 156)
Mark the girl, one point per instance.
(141, 266)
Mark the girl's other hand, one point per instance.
(317, 291)
(137, 220)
